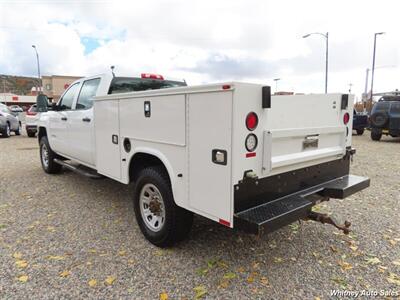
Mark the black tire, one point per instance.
(18, 131)
(379, 119)
(50, 167)
(31, 133)
(177, 222)
(376, 135)
(6, 132)
(360, 131)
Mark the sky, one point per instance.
(207, 41)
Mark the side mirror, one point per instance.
(42, 103)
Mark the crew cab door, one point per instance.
(81, 124)
(58, 125)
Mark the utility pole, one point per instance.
(38, 67)
(373, 65)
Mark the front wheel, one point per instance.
(160, 220)
(18, 131)
(30, 133)
(360, 131)
(6, 131)
(376, 135)
(47, 157)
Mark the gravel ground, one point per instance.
(66, 236)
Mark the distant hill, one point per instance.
(18, 85)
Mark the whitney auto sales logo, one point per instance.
(364, 293)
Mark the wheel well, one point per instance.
(141, 161)
(42, 132)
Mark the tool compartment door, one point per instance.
(108, 157)
(210, 128)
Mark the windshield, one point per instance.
(381, 106)
(126, 84)
(5, 109)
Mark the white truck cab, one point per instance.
(230, 152)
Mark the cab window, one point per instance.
(88, 91)
(68, 98)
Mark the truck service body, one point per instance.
(230, 152)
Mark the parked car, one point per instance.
(16, 109)
(385, 117)
(360, 122)
(32, 115)
(8, 122)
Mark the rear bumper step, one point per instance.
(280, 212)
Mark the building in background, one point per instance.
(55, 85)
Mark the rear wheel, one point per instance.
(376, 135)
(360, 131)
(18, 131)
(160, 220)
(31, 133)
(6, 131)
(47, 157)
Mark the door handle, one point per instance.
(64, 119)
(86, 119)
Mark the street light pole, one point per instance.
(373, 64)
(38, 67)
(276, 84)
(326, 36)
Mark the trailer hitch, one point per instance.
(325, 219)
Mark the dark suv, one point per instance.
(385, 117)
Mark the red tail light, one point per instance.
(346, 118)
(31, 113)
(152, 76)
(251, 121)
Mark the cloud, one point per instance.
(205, 41)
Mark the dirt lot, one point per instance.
(67, 236)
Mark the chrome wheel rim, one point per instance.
(152, 208)
(45, 156)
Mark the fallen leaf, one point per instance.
(222, 264)
(278, 260)
(293, 259)
(317, 298)
(93, 251)
(251, 277)
(211, 263)
(345, 265)
(393, 242)
(342, 282)
(230, 275)
(224, 284)
(122, 253)
(21, 264)
(131, 261)
(200, 291)
(353, 247)
(159, 252)
(394, 278)
(240, 270)
(51, 229)
(23, 278)
(396, 262)
(2, 226)
(164, 296)
(202, 271)
(333, 248)
(110, 280)
(382, 269)
(264, 280)
(372, 261)
(55, 257)
(65, 273)
(17, 255)
(92, 282)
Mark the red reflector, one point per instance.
(251, 154)
(251, 121)
(152, 76)
(31, 113)
(223, 222)
(226, 87)
(346, 118)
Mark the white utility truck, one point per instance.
(229, 152)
